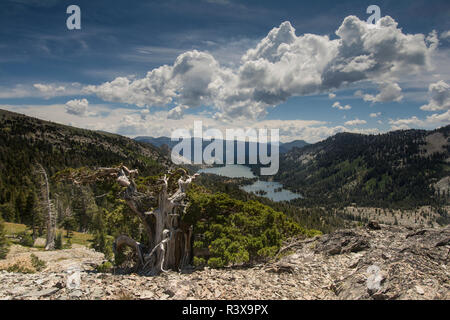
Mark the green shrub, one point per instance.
(268, 252)
(26, 239)
(37, 263)
(216, 262)
(105, 267)
(199, 262)
(235, 231)
(198, 245)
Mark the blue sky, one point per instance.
(97, 77)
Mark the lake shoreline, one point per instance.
(269, 189)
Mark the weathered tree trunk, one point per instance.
(169, 244)
(51, 218)
(172, 239)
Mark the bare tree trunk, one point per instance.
(51, 218)
(170, 240)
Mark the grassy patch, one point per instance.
(14, 228)
(31, 265)
(80, 238)
(19, 268)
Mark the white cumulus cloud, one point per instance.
(78, 107)
(445, 34)
(389, 91)
(177, 112)
(280, 66)
(440, 97)
(338, 105)
(49, 90)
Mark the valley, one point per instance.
(247, 230)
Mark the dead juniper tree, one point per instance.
(48, 208)
(169, 245)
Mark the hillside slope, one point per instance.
(24, 141)
(409, 167)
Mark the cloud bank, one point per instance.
(433, 121)
(140, 122)
(280, 66)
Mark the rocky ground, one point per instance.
(368, 263)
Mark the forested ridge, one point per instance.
(26, 141)
(401, 168)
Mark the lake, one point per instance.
(272, 190)
(230, 171)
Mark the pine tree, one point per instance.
(7, 212)
(101, 242)
(20, 207)
(69, 224)
(58, 242)
(32, 214)
(3, 241)
(84, 207)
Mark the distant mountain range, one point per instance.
(161, 141)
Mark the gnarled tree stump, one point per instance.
(169, 244)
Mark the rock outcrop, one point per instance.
(388, 262)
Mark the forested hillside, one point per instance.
(317, 217)
(404, 168)
(26, 141)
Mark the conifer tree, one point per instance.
(3, 241)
